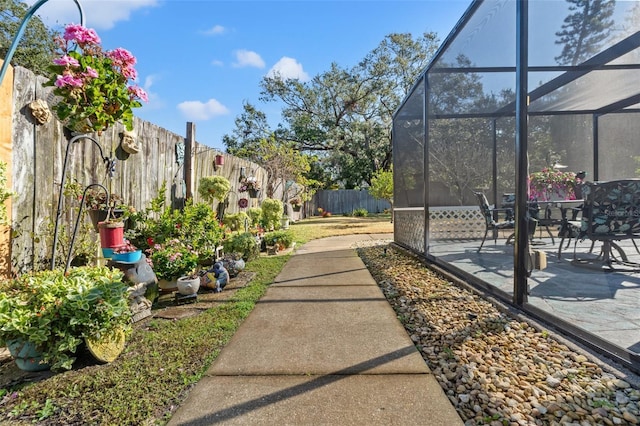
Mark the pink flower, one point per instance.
(91, 73)
(122, 57)
(81, 35)
(66, 61)
(129, 73)
(139, 93)
(68, 80)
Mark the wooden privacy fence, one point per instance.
(345, 201)
(35, 154)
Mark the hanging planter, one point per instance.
(253, 193)
(92, 87)
(100, 215)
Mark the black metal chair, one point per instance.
(491, 219)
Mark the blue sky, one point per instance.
(200, 60)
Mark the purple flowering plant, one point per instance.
(249, 183)
(93, 86)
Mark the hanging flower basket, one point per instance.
(91, 85)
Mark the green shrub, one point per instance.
(272, 211)
(244, 244)
(361, 212)
(56, 311)
(196, 225)
(213, 188)
(236, 221)
(255, 214)
(280, 237)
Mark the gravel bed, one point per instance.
(497, 369)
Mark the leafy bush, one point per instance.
(255, 214)
(213, 188)
(196, 226)
(272, 211)
(236, 221)
(173, 260)
(361, 212)
(282, 238)
(56, 311)
(244, 244)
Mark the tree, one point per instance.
(584, 30)
(382, 187)
(344, 115)
(35, 49)
(285, 165)
(251, 127)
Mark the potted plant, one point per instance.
(189, 283)
(100, 205)
(272, 211)
(214, 188)
(296, 204)
(549, 183)
(238, 222)
(92, 86)
(278, 240)
(127, 253)
(243, 244)
(170, 261)
(53, 313)
(196, 225)
(111, 233)
(250, 185)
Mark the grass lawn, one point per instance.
(163, 359)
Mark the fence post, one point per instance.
(188, 157)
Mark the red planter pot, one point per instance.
(111, 234)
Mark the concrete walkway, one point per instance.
(322, 347)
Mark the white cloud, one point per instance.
(247, 58)
(155, 102)
(217, 63)
(100, 15)
(215, 30)
(288, 68)
(196, 110)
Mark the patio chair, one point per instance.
(491, 219)
(610, 213)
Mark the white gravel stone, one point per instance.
(496, 369)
